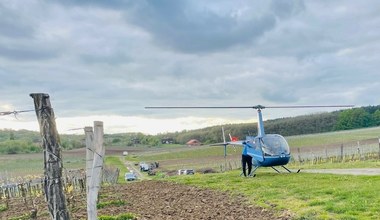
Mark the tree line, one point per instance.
(23, 141)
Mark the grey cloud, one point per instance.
(12, 25)
(27, 53)
(112, 59)
(196, 26)
(184, 27)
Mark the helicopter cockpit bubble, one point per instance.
(274, 145)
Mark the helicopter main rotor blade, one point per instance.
(253, 107)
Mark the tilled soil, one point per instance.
(159, 200)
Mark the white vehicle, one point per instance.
(144, 167)
(130, 176)
(186, 172)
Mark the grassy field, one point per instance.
(117, 161)
(333, 137)
(32, 164)
(186, 153)
(308, 196)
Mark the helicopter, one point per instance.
(266, 150)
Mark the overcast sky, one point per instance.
(107, 60)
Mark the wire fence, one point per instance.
(356, 150)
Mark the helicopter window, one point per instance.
(274, 145)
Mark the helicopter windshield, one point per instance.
(273, 144)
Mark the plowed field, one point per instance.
(156, 200)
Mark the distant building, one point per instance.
(193, 142)
(167, 141)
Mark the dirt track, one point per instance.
(161, 200)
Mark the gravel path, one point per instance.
(355, 171)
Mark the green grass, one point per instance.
(333, 137)
(32, 164)
(127, 216)
(309, 196)
(116, 161)
(186, 153)
(101, 205)
(374, 163)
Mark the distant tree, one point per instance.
(11, 136)
(376, 117)
(353, 118)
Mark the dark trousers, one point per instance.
(246, 160)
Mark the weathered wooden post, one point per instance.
(299, 155)
(379, 147)
(89, 154)
(97, 168)
(89, 161)
(53, 184)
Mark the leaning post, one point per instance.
(53, 184)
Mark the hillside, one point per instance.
(23, 141)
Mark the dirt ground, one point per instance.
(158, 200)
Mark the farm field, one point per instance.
(276, 196)
(331, 138)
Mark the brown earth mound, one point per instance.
(158, 200)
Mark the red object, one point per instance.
(234, 138)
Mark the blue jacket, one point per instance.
(245, 149)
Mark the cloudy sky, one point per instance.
(107, 60)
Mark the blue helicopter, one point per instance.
(266, 150)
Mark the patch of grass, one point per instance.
(117, 162)
(127, 216)
(309, 196)
(10, 164)
(22, 217)
(186, 153)
(3, 208)
(111, 203)
(333, 137)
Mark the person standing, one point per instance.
(246, 159)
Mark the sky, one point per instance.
(106, 60)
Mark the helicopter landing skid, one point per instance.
(285, 169)
(252, 173)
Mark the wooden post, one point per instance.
(379, 148)
(89, 160)
(97, 167)
(89, 153)
(53, 183)
(299, 155)
(341, 153)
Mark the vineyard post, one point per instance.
(89, 160)
(299, 155)
(97, 168)
(89, 153)
(379, 147)
(53, 185)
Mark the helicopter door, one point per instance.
(255, 152)
(274, 145)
